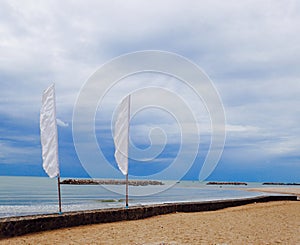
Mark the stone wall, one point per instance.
(15, 226)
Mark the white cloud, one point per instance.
(61, 123)
(241, 128)
(19, 154)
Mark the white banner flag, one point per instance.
(121, 134)
(48, 129)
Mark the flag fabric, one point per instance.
(121, 134)
(48, 128)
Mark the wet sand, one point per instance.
(281, 190)
(258, 223)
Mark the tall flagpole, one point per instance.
(126, 190)
(49, 137)
(58, 174)
(59, 195)
(128, 151)
(121, 139)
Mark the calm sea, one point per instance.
(38, 195)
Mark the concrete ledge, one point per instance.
(15, 226)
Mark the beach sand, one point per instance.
(258, 223)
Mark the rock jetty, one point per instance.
(279, 183)
(110, 182)
(226, 183)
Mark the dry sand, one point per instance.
(258, 223)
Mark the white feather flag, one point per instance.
(121, 134)
(48, 129)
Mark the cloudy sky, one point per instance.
(249, 49)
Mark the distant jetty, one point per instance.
(279, 183)
(110, 182)
(226, 183)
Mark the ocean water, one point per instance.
(38, 195)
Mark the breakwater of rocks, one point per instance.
(226, 183)
(280, 183)
(110, 182)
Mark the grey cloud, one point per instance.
(250, 49)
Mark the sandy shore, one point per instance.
(259, 223)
